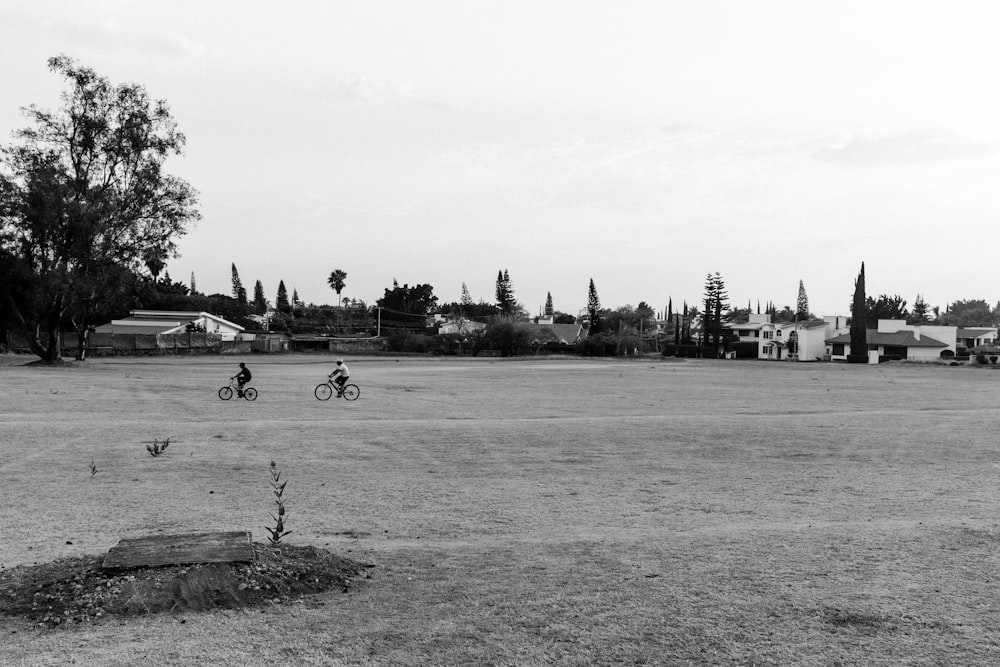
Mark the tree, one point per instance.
(859, 319)
(466, 298)
(239, 292)
(407, 307)
(193, 288)
(155, 260)
(281, 299)
(716, 302)
(83, 201)
(802, 304)
(885, 307)
(506, 303)
(549, 310)
(593, 308)
(336, 282)
(259, 302)
(920, 313)
(969, 313)
(296, 301)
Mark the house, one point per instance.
(791, 341)
(171, 322)
(895, 339)
(556, 334)
(460, 326)
(970, 338)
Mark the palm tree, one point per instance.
(336, 282)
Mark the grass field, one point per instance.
(529, 512)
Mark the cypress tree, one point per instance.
(859, 318)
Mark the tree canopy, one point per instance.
(84, 202)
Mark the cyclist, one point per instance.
(340, 375)
(242, 378)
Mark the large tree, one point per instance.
(239, 292)
(593, 308)
(506, 303)
(84, 201)
(920, 313)
(406, 307)
(859, 319)
(885, 307)
(281, 302)
(969, 313)
(802, 304)
(336, 281)
(259, 300)
(716, 302)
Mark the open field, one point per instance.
(531, 512)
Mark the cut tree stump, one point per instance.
(221, 547)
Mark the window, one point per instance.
(768, 334)
(779, 333)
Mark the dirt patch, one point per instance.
(78, 590)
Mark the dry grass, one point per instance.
(531, 512)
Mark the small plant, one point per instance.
(93, 469)
(156, 447)
(275, 534)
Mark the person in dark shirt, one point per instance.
(242, 378)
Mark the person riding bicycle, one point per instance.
(242, 378)
(340, 375)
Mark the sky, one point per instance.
(641, 145)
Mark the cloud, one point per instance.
(109, 36)
(365, 90)
(918, 146)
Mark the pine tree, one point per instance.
(549, 311)
(859, 318)
(802, 304)
(593, 308)
(296, 302)
(259, 302)
(716, 301)
(466, 298)
(281, 299)
(194, 290)
(921, 311)
(239, 293)
(505, 293)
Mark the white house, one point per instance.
(977, 337)
(791, 341)
(895, 339)
(171, 322)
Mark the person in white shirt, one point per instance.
(340, 375)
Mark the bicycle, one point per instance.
(328, 389)
(249, 393)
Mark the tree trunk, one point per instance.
(81, 343)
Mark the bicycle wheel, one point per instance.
(250, 394)
(226, 393)
(323, 392)
(351, 392)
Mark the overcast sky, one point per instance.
(640, 144)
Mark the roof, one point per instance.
(974, 332)
(903, 338)
(566, 334)
(160, 321)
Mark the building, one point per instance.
(970, 338)
(172, 322)
(897, 340)
(789, 341)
